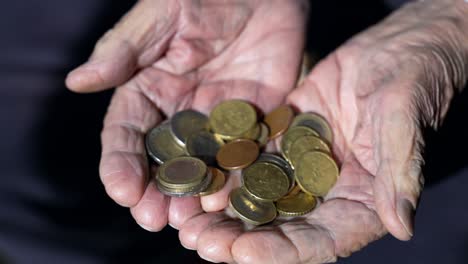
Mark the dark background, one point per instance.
(53, 208)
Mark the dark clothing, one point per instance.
(53, 208)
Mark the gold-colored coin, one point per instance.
(186, 123)
(305, 144)
(250, 210)
(237, 154)
(316, 122)
(316, 173)
(278, 120)
(308, 62)
(265, 181)
(233, 119)
(182, 173)
(296, 204)
(217, 182)
(281, 163)
(253, 133)
(262, 139)
(204, 146)
(161, 145)
(293, 134)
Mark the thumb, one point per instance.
(137, 40)
(399, 179)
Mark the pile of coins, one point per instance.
(194, 152)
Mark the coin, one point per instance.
(305, 144)
(204, 146)
(316, 173)
(291, 135)
(237, 154)
(278, 120)
(265, 181)
(253, 133)
(161, 145)
(262, 139)
(233, 119)
(296, 204)
(186, 123)
(280, 162)
(182, 172)
(308, 62)
(250, 210)
(182, 191)
(315, 122)
(216, 184)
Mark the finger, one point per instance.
(137, 40)
(219, 200)
(215, 241)
(151, 212)
(399, 179)
(124, 166)
(336, 228)
(182, 209)
(192, 228)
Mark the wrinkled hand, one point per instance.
(378, 91)
(166, 56)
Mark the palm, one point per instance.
(345, 222)
(255, 56)
(377, 143)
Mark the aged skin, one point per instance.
(377, 91)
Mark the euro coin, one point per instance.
(237, 154)
(253, 133)
(281, 163)
(316, 122)
(305, 144)
(262, 139)
(217, 182)
(291, 135)
(161, 145)
(204, 146)
(316, 173)
(278, 120)
(182, 173)
(183, 191)
(233, 119)
(265, 181)
(186, 123)
(250, 210)
(296, 204)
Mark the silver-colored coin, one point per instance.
(281, 163)
(204, 145)
(317, 123)
(160, 144)
(182, 173)
(186, 123)
(191, 191)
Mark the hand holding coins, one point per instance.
(231, 138)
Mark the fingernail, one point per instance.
(405, 212)
(207, 259)
(145, 227)
(173, 226)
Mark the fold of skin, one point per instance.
(378, 91)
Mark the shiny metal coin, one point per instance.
(186, 123)
(204, 145)
(250, 210)
(280, 162)
(160, 144)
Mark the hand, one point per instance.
(166, 56)
(378, 92)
